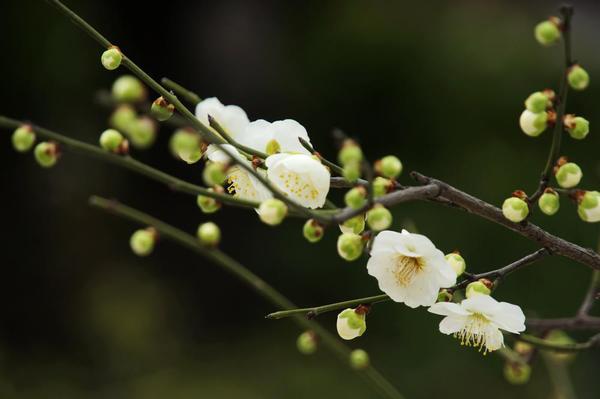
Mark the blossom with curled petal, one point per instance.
(409, 268)
(241, 183)
(301, 177)
(278, 136)
(231, 117)
(477, 321)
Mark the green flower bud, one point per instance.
(272, 147)
(533, 124)
(187, 145)
(214, 173)
(444, 296)
(359, 359)
(578, 77)
(122, 117)
(142, 132)
(208, 204)
(547, 32)
(389, 166)
(272, 211)
(209, 234)
(477, 288)
(457, 262)
(128, 89)
(113, 141)
(352, 171)
(142, 241)
(354, 225)
(537, 102)
(111, 58)
(356, 197)
(569, 175)
(381, 186)
(515, 209)
(23, 138)
(350, 246)
(577, 126)
(517, 373)
(161, 109)
(313, 231)
(350, 153)
(379, 218)
(351, 324)
(46, 154)
(549, 202)
(307, 343)
(589, 207)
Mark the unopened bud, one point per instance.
(515, 209)
(46, 154)
(457, 263)
(350, 153)
(113, 141)
(578, 78)
(549, 202)
(568, 175)
(533, 124)
(142, 241)
(517, 373)
(272, 211)
(351, 171)
(161, 109)
(208, 204)
(142, 132)
(187, 145)
(589, 207)
(307, 343)
(389, 166)
(444, 296)
(209, 234)
(214, 173)
(381, 186)
(350, 246)
(351, 324)
(379, 218)
(23, 138)
(128, 89)
(122, 117)
(111, 58)
(354, 225)
(577, 126)
(356, 197)
(538, 102)
(313, 231)
(477, 288)
(359, 359)
(548, 32)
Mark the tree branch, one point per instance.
(565, 323)
(545, 344)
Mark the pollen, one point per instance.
(476, 333)
(407, 268)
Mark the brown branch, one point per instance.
(565, 323)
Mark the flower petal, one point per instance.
(509, 317)
(448, 309)
(452, 324)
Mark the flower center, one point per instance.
(478, 333)
(298, 186)
(407, 268)
(240, 184)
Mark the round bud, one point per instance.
(444, 296)
(578, 77)
(307, 343)
(389, 166)
(350, 246)
(381, 186)
(352, 171)
(533, 124)
(537, 102)
(351, 324)
(354, 225)
(23, 138)
(569, 175)
(457, 263)
(208, 204)
(187, 145)
(313, 231)
(350, 153)
(142, 241)
(161, 109)
(209, 234)
(272, 147)
(122, 117)
(523, 348)
(111, 140)
(517, 373)
(589, 207)
(111, 58)
(547, 32)
(142, 132)
(356, 197)
(46, 154)
(379, 218)
(549, 202)
(214, 173)
(359, 359)
(515, 209)
(577, 127)
(272, 211)
(477, 288)
(128, 89)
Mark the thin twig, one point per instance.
(181, 91)
(553, 346)
(591, 295)
(565, 323)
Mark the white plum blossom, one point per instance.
(231, 117)
(409, 268)
(477, 321)
(278, 136)
(300, 177)
(242, 184)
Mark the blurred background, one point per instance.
(439, 83)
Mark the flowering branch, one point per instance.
(253, 281)
(181, 91)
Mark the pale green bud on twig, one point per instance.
(23, 138)
(568, 174)
(209, 204)
(577, 126)
(350, 153)
(111, 58)
(548, 32)
(444, 296)
(113, 141)
(351, 323)
(517, 373)
(516, 208)
(187, 145)
(578, 78)
(307, 343)
(379, 218)
(350, 246)
(142, 241)
(477, 288)
(313, 231)
(539, 101)
(549, 202)
(128, 89)
(359, 359)
(533, 124)
(142, 132)
(354, 225)
(356, 197)
(209, 234)
(214, 173)
(351, 171)
(389, 166)
(122, 117)
(588, 207)
(46, 153)
(161, 109)
(272, 211)
(457, 262)
(382, 186)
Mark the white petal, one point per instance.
(509, 317)
(287, 132)
(483, 304)
(413, 245)
(448, 309)
(221, 154)
(231, 117)
(452, 324)
(494, 340)
(385, 241)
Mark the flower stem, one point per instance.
(181, 91)
(261, 287)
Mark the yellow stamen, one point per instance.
(407, 268)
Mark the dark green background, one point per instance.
(440, 84)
